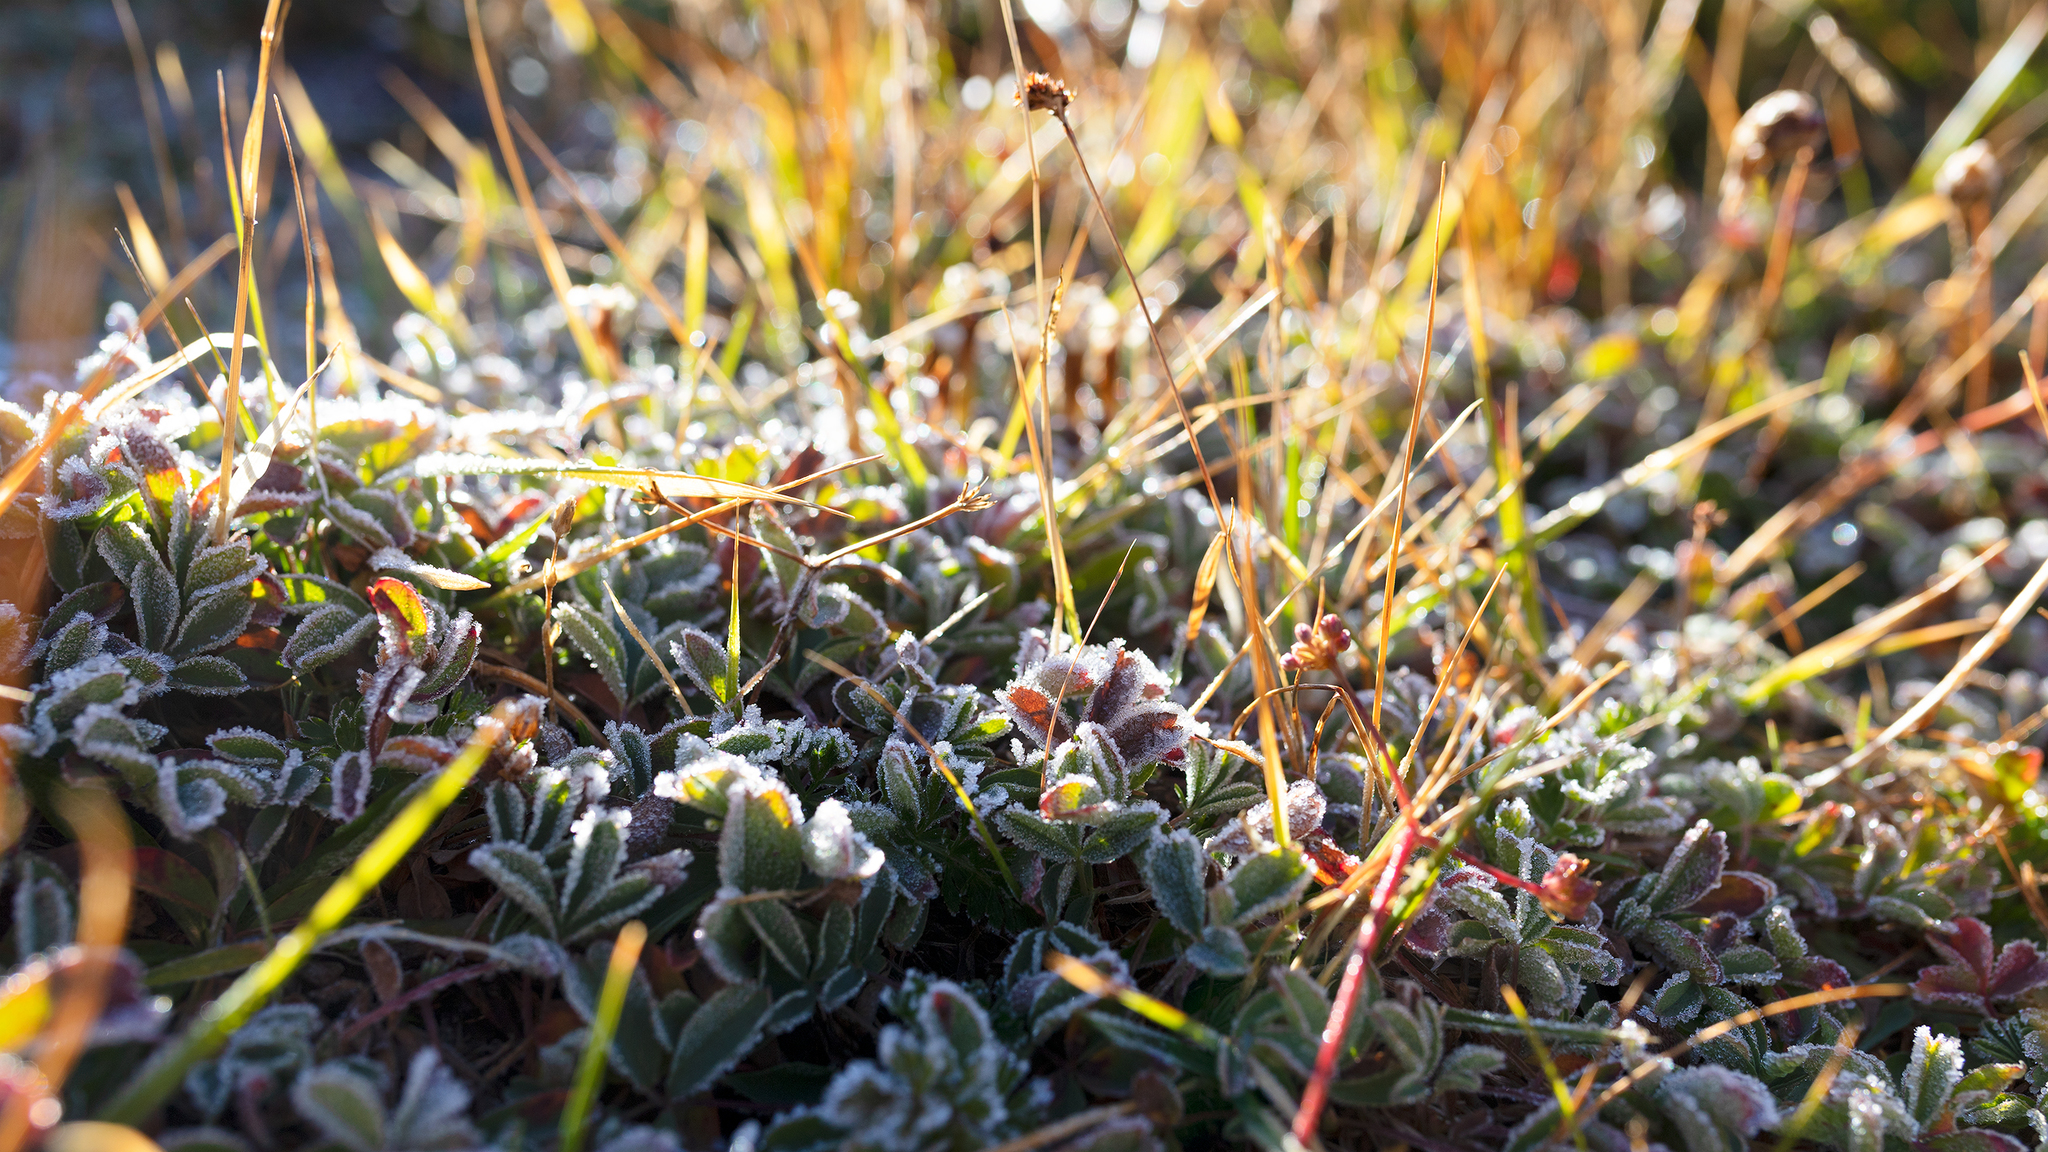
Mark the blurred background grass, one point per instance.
(772, 165)
(73, 125)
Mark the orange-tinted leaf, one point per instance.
(400, 603)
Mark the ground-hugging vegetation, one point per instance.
(724, 620)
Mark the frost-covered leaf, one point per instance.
(326, 634)
(596, 639)
(1931, 1074)
(1173, 867)
(1266, 883)
(1977, 974)
(702, 660)
(432, 1108)
(1716, 1108)
(208, 676)
(1691, 871)
(522, 875)
(834, 849)
(345, 1105)
(716, 1036)
(761, 848)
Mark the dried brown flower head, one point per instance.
(1775, 128)
(1042, 93)
(1970, 176)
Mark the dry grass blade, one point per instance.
(1912, 718)
(1205, 586)
(543, 240)
(486, 670)
(642, 283)
(647, 648)
(1407, 458)
(585, 561)
(1843, 647)
(243, 189)
(24, 466)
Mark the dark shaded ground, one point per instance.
(73, 128)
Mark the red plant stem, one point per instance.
(1318, 1091)
(425, 991)
(1528, 886)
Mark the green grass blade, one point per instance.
(158, 1079)
(611, 1000)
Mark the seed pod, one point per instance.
(1775, 128)
(1970, 176)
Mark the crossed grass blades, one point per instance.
(1282, 589)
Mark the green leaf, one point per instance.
(1053, 842)
(760, 848)
(523, 876)
(1931, 1074)
(1220, 951)
(213, 621)
(222, 568)
(785, 570)
(155, 596)
(1173, 867)
(595, 638)
(716, 1037)
(343, 1104)
(1691, 871)
(703, 660)
(835, 938)
(208, 676)
(778, 928)
(900, 784)
(788, 1084)
(326, 635)
(1265, 883)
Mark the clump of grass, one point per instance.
(684, 682)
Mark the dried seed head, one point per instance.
(1970, 176)
(1042, 93)
(1775, 128)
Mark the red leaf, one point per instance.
(1975, 974)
